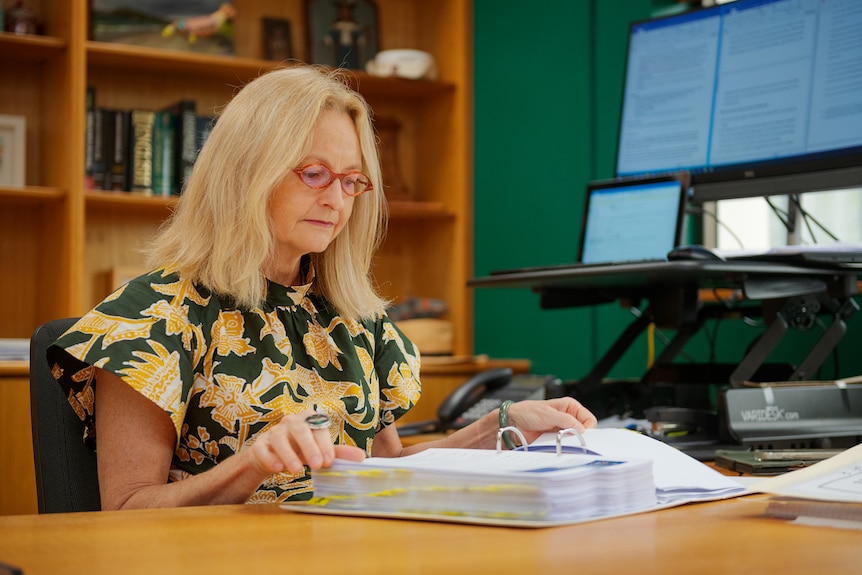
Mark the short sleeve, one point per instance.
(397, 363)
(142, 334)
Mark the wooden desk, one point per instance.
(729, 536)
(18, 480)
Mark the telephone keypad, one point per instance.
(526, 389)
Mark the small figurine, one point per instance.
(346, 36)
(217, 23)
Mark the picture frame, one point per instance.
(342, 33)
(200, 26)
(277, 39)
(13, 151)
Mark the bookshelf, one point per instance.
(61, 243)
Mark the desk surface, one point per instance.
(729, 536)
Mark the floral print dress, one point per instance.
(223, 375)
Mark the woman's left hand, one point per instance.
(533, 418)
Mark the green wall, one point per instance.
(548, 85)
(548, 80)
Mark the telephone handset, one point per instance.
(485, 392)
(470, 392)
(479, 395)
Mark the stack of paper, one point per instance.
(484, 484)
(620, 472)
(679, 478)
(14, 349)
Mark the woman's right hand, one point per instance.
(292, 444)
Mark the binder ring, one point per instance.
(514, 430)
(568, 431)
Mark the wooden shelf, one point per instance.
(16, 368)
(106, 199)
(64, 239)
(235, 69)
(96, 198)
(30, 195)
(64, 246)
(29, 48)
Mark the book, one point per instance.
(118, 145)
(164, 154)
(89, 137)
(185, 140)
(100, 158)
(140, 150)
(556, 481)
(203, 126)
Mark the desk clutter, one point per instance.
(14, 349)
(828, 493)
(555, 481)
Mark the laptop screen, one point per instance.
(632, 220)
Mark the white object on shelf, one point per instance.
(412, 64)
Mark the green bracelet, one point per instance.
(504, 422)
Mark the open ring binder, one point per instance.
(559, 448)
(552, 484)
(514, 430)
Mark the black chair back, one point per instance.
(66, 474)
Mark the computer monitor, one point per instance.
(753, 97)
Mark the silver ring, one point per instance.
(318, 421)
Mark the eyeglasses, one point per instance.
(318, 176)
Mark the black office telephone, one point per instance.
(479, 395)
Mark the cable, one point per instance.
(783, 217)
(659, 333)
(701, 209)
(806, 216)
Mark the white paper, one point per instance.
(677, 476)
(838, 478)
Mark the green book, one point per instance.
(164, 129)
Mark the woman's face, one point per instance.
(306, 220)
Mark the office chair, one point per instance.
(66, 475)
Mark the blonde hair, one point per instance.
(221, 232)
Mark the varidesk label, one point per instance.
(769, 414)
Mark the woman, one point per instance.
(260, 313)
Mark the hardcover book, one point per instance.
(115, 130)
(141, 151)
(164, 153)
(185, 140)
(203, 126)
(100, 177)
(90, 138)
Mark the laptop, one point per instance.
(629, 220)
